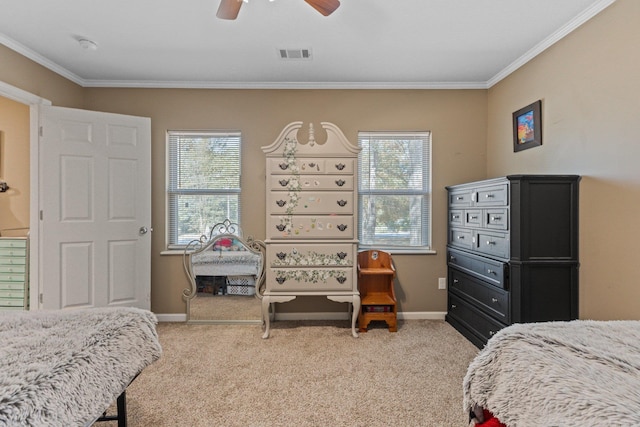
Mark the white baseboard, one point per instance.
(410, 315)
(172, 317)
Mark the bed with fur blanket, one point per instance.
(577, 373)
(65, 368)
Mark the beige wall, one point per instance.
(261, 115)
(14, 167)
(589, 85)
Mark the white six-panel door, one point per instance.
(95, 201)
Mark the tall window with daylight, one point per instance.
(203, 183)
(394, 191)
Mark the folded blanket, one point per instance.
(64, 368)
(578, 373)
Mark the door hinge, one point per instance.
(40, 131)
(41, 215)
(40, 298)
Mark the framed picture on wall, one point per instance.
(527, 127)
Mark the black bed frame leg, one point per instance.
(122, 409)
(121, 417)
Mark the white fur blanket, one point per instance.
(64, 368)
(578, 373)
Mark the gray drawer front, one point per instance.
(497, 219)
(496, 244)
(456, 217)
(461, 238)
(496, 195)
(477, 321)
(473, 218)
(461, 198)
(485, 269)
(492, 300)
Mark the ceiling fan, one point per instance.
(229, 9)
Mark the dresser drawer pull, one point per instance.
(460, 198)
(496, 218)
(460, 237)
(342, 203)
(281, 256)
(340, 166)
(312, 165)
(341, 279)
(342, 227)
(452, 258)
(456, 216)
(281, 227)
(453, 306)
(492, 333)
(494, 300)
(490, 271)
(456, 281)
(281, 280)
(489, 196)
(341, 255)
(284, 166)
(284, 182)
(340, 182)
(490, 242)
(281, 203)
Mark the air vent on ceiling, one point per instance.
(294, 53)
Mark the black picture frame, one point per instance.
(527, 127)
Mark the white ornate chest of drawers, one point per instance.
(311, 219)
(14, 273)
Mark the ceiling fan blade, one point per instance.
(325, 7)
(229, 9)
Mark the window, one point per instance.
(394, 185)
(203, 183)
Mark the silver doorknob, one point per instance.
(144, 230)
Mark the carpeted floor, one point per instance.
(308, 373)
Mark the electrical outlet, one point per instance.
(442, 283)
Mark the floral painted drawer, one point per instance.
(309, 255)
(311, 279)
(310, 227)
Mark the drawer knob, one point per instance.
(490, 242)
(281, 255)
(492, 333)
(342, 227)
(459, 198)
(341, 279)
(281, 203)
(281, 227)
(284, 166)
(341, 255)
(494, 300)
(490, 271)
(340, 166)
(460, 237)
(340, 182)
(456, 216)
(452, 258)
(496, 218)
(284, 182)
(342, 203)
(281, 280)
(489, 196)
(455, 281)
(453, 306)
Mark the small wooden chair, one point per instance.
(376, 275)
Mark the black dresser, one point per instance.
(512, 253)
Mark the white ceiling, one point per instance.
(363, 44)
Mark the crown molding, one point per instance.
(586, 15)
